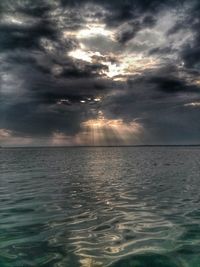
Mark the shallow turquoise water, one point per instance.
(95, 207)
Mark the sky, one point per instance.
(118, 72)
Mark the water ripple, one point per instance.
(100, 207)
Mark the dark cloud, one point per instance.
(130, 30)
(84, 71)
(159, 102)
(191, 55)
(36, 9)
(44, 90)
(34, 119)
(24, 37)
(159, 50)
(171, 85)
(190, 52)
(122, 11)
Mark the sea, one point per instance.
(100, 207)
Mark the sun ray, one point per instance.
(103, 131)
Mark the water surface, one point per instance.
(96, 207)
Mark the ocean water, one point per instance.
(96, 207)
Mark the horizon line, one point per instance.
(96, 146)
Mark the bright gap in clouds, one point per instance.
(125, 67)
(102, 131)
(94, 29)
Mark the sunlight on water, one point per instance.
(96, 207)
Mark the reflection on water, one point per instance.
(95, 207)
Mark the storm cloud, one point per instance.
(72, 68)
